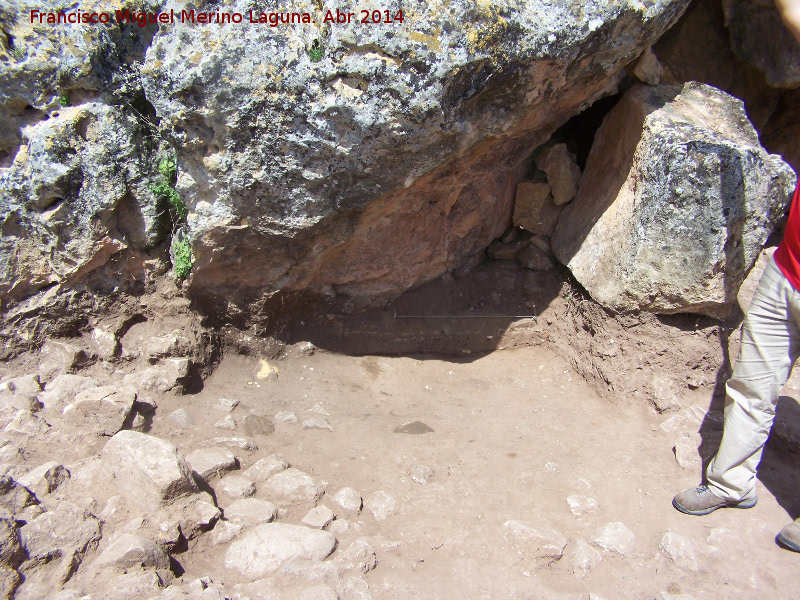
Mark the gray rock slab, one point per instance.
(258, 425)
(421, 474)
(251, 511)
(63, 390)
(45, 478)
(130, 551)
(562, 172)
(66, 531)
(14, 496)
(266, 467)
(211, 462)
(235, 486)
(679, 550)
(318, 517)
(543, 544)
(147, 471)
(317, 423)
(381, 504)
(262, 550)
(294, 485)
(583, 558)
(102, 410)
(616, 537)
(348, 499)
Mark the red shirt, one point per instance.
(787, 256)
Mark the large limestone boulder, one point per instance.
(675, 203)
(335, 158)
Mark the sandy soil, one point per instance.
(515, 433)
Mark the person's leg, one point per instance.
(770, 345)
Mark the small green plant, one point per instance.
(63, 100)
(164, 191)
(168, 168)
(170, 201)
(315, 52)
(17, 53)
(181, 257)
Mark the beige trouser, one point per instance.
(770, 345)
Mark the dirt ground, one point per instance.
(518, 428)
(548, 415)
(515, 434)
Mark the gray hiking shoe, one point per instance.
(701, 501)
(790, 536)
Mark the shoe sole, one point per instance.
(788, 544)
(706, 511)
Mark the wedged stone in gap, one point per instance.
(534, 259)
(148, 471)
(224, 532)
(294, 485)
(130, 551)
(45, 478)
(210, 462)
(534, 209)
(616, 537)
(158, 527)
(266, 467)
(413, 427)
(251, 511)
(348, 499)
(647, 67)
(562, 172)
(583, 558)
(679, 550)
(318, 517)
(381, 504)
(263, 549)
(502, 251)
(236, 486)
(543, 544)
(102, 410)
(675, 203)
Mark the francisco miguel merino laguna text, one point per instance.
(273, 19)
